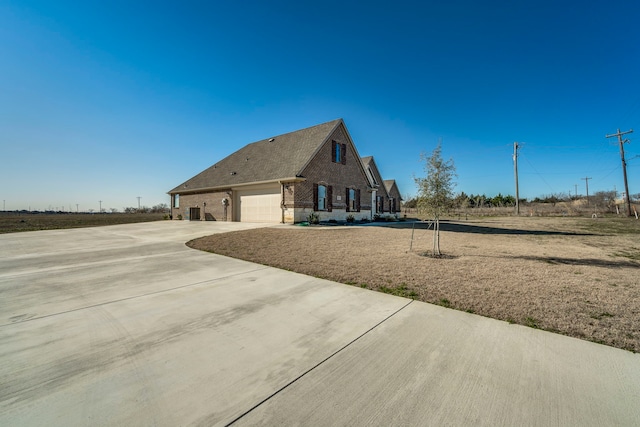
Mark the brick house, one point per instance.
(283, 179)
(385, 199)
(394, 195)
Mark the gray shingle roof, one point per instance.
(370, 164)
(366, 161)
(271, 159)
(389, 184)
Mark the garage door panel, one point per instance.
(260, 205)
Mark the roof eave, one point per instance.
(235, 186)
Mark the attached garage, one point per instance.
(259, 205)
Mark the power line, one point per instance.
(631, 110)
(539, 174)
(607, 175)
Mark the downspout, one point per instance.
(282, 202)
(374, 200)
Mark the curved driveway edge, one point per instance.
(125, 325)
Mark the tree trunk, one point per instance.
(438, 239)
(436, 236)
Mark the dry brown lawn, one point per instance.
(575, 276)
(13, 222)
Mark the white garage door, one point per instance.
(260, 205)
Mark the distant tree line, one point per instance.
(159, 208)
(599, 198)
(463, 200)
(604, 199)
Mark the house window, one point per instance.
(373, 177)
(392, 204)
(338, 153)
(176, 201)
(322, 197)
(379, 204)
(353, 200)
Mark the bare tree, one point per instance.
(160, 208)
(605, 199)
(435, 191)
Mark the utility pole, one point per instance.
(624, 166)
(515, 172)
(586, 180)
(576, 188)
(139, 203)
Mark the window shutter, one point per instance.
(333, 151)
(329, 198)
(315, 197)
(358, 200)
(344, 154)
(347, 199)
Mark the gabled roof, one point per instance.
(278, 158)
(390, 184)
(371, 167)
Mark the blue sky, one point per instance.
(111, 100)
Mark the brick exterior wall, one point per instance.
(213, 211)
(384, 203)
(396, 195)
(289, 203)
(323, 170)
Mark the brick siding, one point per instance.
(213, 211)
(322, 169)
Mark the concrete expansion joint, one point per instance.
(265, 400)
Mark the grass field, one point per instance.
(575, 276)
(12, 222)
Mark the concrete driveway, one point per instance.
(125, 325)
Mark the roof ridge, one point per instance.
(296, 131)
